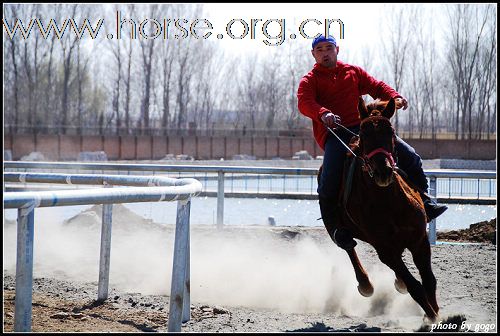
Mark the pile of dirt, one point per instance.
(123, 219)
(482, 232)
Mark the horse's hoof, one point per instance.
(400, 286)
(430, 320)
(366, 291)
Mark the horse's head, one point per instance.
(377, 139)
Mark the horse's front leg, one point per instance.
(422, 258)
(365, 287)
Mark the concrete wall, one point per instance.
(67, 147)
(455, 149)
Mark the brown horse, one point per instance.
(382, 209)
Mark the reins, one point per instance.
(342, 142)
(347, 187)
(370, 171)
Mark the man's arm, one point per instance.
(379, 89)
(306, 99)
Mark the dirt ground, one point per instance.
(252, 298)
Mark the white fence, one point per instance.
(139, 189)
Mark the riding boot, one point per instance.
(432, 209)
(330, 213)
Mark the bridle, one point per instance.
(383, 151)
(368, 156)
(365, 158)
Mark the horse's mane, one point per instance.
(353, 145)
(377, 104)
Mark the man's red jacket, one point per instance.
(337, 90)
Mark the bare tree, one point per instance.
(30, 62)
(485, 77)
(167, 61)
(224, 92)
(184, 56)
(208, 80)
(415, 112)
(68, 43)
(118, 82)
(466, 23)
(272, 83)
(147, 49)
(297, 64)
(14, 10)
(427, 59)
(116, 50)
(398, 39)
(367, 58)
(183, 76)
(49, 90)
(81, 83)
(128, 82)
(248, 87)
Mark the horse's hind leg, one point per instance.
(365, 287)
(422, 259)
(414, 287)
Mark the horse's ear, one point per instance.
(363, 111)
(390, 109)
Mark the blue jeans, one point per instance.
(333, 164)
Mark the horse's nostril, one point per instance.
(383, 176)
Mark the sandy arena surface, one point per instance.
(243, 279)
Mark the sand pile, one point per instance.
(482, 232)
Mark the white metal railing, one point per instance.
(141, 189)
(220, 172)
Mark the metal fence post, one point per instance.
(105, 255)
(220, 199)
(24, 269)
(179, 269)
(432, 224)
(186, 307)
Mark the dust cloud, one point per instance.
(259, 267)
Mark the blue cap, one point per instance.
(322, 38)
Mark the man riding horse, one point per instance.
(329, 95)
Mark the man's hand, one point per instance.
(401, 103)
(330, 120)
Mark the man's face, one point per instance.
(325, 53)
